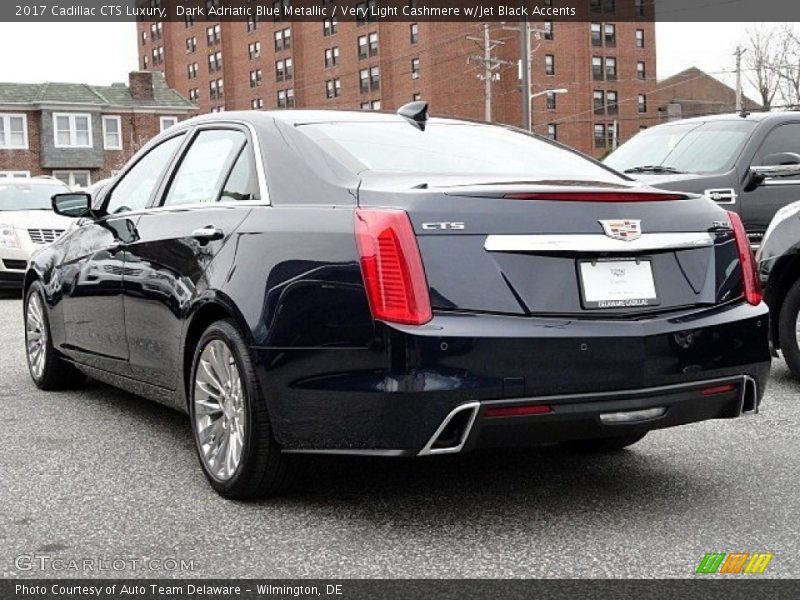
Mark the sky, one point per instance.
(103, 53)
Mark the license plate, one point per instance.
(617, 284)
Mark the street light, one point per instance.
(542, 93)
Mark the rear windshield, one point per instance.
(706, 147)
(25, 196)
(453, 149)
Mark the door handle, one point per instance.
(206, 234)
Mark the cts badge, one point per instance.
(626, 230)
(452, 225)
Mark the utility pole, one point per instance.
(738, 55)
(525, 67)
(615, 135)
(490, 65)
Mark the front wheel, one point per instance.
(789, 329)
(232, 432)
(608, 444)
(48, 369)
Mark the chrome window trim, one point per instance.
(595, 242)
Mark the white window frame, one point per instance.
(71, 176)
(173, 121)
(72, 130)
(14, 174)
(118, 119)
(6, 118)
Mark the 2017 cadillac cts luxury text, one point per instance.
(394, 285)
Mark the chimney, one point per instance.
(141, 83)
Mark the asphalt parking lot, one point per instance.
(101, 475)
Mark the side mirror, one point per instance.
(72, 204)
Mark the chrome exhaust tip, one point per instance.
(452, 433)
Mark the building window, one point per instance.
(597, 68)
(610, 35)
(365, 106)
(640, 71)
(144, 62)
(280, 9)
(611, 68)
(638, 7)
(252, 23)
(330, 26)
(597, 34)
(612, 102)
(414, 33)
(552, 131)
(364, 12)
(599, 102)
(613, 135)
(375, 78)
(283, 70)
(595, 5)
(331, 57)
(549, 64)
(373, 44)
(194, 95)
(363, 77)
(548, 30)
(15, 174)
(416, 97)
(213, 34)
(333, 88)
(218, 109)
(191, 70)
(112, 133)
(640, 38)
(599, 136)
(158, 55)
(255, 78)
(156, 31)
(188, 21)
(550, 100)
(363, 49)
(642, 103)
(72, 130)
(375, 105)
(214, 62)
(609, 6)
(283, 39)
(254, 50)
(414, 68)
(215, 89)
(13, 132)
(286, 98)
(144, 37)
(74, 179)
(191, 44)
(167, 122)
(256, 104)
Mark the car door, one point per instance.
(199, 207)
(759, 204)
(93, 271)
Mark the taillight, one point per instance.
(392, 267)
(752, 285)
(596, 196)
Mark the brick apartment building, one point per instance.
(607, 66)
(82, 133)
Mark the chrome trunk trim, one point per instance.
(596, 242)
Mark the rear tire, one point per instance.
(787, 329)
(233, 436)
(608, 444)
(47, 367)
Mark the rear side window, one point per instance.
(205, 167)
(241, 183)
(135, 188)
(784, 138)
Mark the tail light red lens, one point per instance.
(752, 285)
(392, 267)
(517, 411)
(597, 196)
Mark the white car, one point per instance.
(27, 223)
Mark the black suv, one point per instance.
(719, 156)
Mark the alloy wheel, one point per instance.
(35, 335)
(219, 410)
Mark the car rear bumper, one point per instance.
(397, 396)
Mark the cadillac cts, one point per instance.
(394, 285)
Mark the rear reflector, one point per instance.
(517, 411)
(718, 389)
(597, 196)
(752, 285)
(392, 267)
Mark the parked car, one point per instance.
(395, 285)
(718, 156)
(779, 269)
(27, 223)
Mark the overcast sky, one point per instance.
(102, 53)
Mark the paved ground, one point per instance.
(99, 474)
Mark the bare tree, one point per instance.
(762, 61)
(788, 70)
